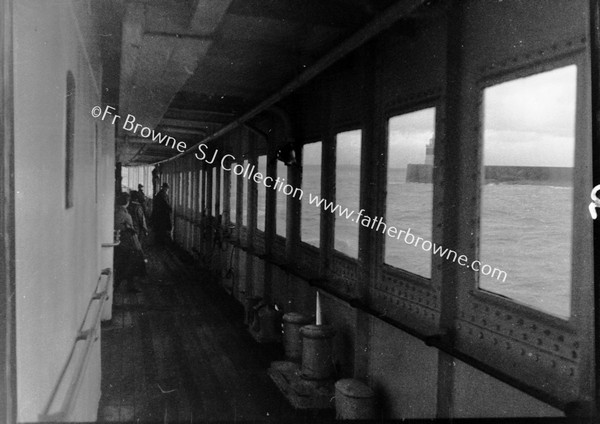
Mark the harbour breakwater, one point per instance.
(540, 175)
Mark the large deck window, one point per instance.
(221, 193)
(261, 194)
(215, 192)
(527, 192)
(409, 202)
(244, 188)
(232, 196)
(281, 211)
(311, 185)
(347, 191)
(188, 189)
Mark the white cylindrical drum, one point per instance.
(317, 351)
(354, 400)
(292, 341)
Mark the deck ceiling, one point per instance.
(189, 67)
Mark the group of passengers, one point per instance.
(131, 218)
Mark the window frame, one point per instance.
(280, 195)
(506, 75)
(259, 158)
(336, 132)
(303, 243)
(427, 102)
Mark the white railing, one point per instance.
(63, 398)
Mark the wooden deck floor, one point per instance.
(178, 352)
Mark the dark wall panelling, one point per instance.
(412, 64)
(278, 249)
(346, 99)
(342, 275)
(258, 243)
(308, 261)
(542, 351)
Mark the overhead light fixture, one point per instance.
(287, 154)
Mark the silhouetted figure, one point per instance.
(142, 198)
(161, 215)
(138, 216)
(156, 174)
(129, 257)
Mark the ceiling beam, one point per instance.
(156, 66)
(179, 35)
(131, 42)
(183, 123)
(332, 13)
(397, 11)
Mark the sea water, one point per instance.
(525, 232)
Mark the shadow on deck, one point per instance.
(178, 352)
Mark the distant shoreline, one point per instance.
(497, 174)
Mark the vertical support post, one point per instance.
(218, 193)
(595, 95)
(203, 189)
(449, 231)
(8, 370)
(293, 212)
(372, 201)
(252, 215)
(239, 212)
(198, 209)
(203, 214)
(118, 178)
(226, 204)
(198, 203)
(239, 201)
(271, 214)
(328, 162)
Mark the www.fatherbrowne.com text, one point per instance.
(228, 163)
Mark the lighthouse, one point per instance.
(429, 152)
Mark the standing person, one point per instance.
(129, 258)
(156, 174)
(161, 215)
(142, 198)
(136, 210)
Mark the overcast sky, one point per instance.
(531, 121)
(527, 122)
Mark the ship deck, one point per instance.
(178, 352)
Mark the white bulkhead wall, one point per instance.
(58, 250)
